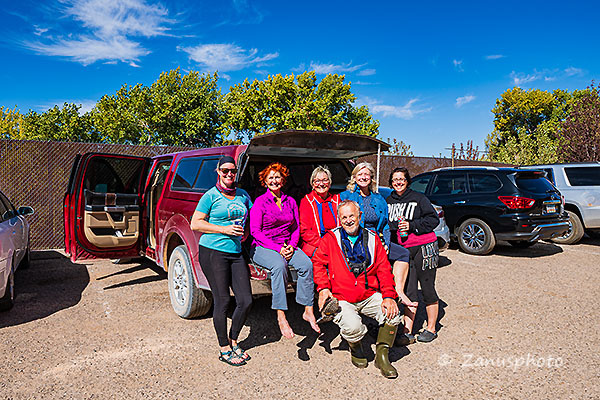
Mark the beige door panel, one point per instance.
(102, 230)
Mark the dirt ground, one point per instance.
(517, 324)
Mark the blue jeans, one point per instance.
(276, 264)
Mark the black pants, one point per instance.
(417, 274)
(223, 270)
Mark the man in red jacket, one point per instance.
(351, 265)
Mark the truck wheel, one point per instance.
(575, 232)
(7, 301)
(188, 301)
(476, 237)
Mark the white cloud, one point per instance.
(548, 75)
(109, 18)
(572, 71)
(334, 68)
(87, 50)
(407, 111)
(39, 31)
(521, 78)
(458, 64)
(108, 30)
(494, 56)
(367, 72)
(225, 57)
(461, 101)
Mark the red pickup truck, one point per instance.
(120, 206)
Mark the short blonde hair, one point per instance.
(356, 170)
(320, 169)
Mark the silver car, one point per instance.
(579, 184)
(14, 247)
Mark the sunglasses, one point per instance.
(226, 171)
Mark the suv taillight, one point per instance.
(516, 202)
(441, 214)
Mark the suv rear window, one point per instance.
(583, 176)
(534, 182)
(484, 183)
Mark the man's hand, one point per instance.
(388, 306)
(324, 295)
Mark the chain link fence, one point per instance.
(36, 174)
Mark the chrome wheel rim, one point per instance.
(179, 282)
(473, 236)
(568, 232)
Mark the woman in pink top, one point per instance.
(276, 232)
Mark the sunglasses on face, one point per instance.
(398, 180)
(226, 171)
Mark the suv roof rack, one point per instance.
(467, 167)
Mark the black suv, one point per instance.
(486, 204)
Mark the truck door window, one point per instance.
(207, 177)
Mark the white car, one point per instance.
(14, 247)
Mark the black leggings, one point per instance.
(222, 271)
(426, 277)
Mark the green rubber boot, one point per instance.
(385, 339)
(358, 355)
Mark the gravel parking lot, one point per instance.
(515, 324)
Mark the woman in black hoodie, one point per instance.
(412, 220)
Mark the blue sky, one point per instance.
(430, 72)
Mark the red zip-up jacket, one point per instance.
(330, 270)
(310, 229)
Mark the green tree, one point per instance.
(174, 110)
(10, 123)
(295, 102)
(64, 124)
(581, 130)
(526, 126)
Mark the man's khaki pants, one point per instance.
(351, 327)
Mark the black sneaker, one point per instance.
(404, 339)
(426, 336)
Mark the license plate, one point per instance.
(550, 209)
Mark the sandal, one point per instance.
(241, 353)
(230, 357)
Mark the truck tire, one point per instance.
(575, 232)
(187, 300)
(476, 237)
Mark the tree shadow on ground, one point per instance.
(52, 283)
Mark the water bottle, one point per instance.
(402, 234)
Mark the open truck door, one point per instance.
(103, 206)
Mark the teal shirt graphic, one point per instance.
(222, 211)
